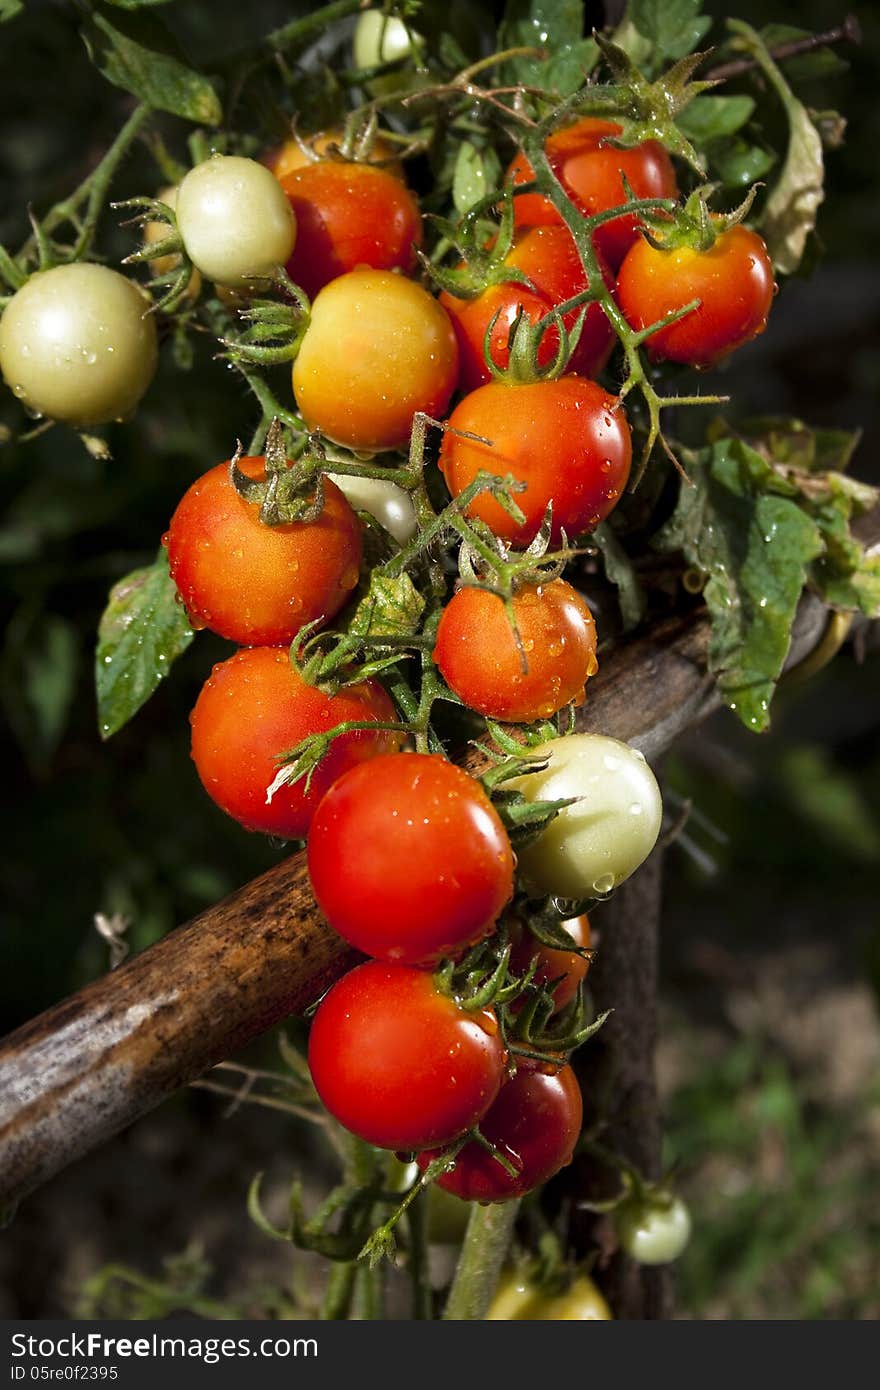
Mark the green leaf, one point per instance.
(619, 569)
(789, 441)
(136, 4)
(9, 9)
(816, 65)
(391, 607)
(136, 52)
(557, 27)
(477, 172)
(845, 575)
(714, 118)
(742, 525)
(38, 684)
(832, 801)
(674, 27)
(740, 164)
(143, 629)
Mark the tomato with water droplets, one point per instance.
(478, 656)
(255, 707)
(409, 860)
(401, 1064)
(567, 440)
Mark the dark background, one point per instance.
(771, 941)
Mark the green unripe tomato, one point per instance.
(389, 504)
(602, 838)
(234, 219)
(77, 344)
(654, 1229)
(380, 38)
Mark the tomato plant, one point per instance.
(251, 582)
(421, 812)
(534, 1124)
(549, 257)
(401, 1064)
(251, 710)
(480, 659)
(78, 344)
(378, 349)
(567, 440)
(591, 170)
(349, 215)
(234, 220)
(732, 279)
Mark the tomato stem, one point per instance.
(483, 1253)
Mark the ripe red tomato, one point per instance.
(568, 440)
(567, 967)
(478, 657)
(399, 1063)
(409, 860)
(549, 257)
(733, 281)
(291, 155)
(349, 215)
(590, 172)
(253, 708)
(535, 1123)
(253, 583)
(378, 348)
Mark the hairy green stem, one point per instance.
(483, 1253)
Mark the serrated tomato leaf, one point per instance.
(143, 629)
(391, 607)
(743, 526)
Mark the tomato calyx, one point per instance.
(174, 282)
(525, 338)
(274, 328)
(483, 247)
(290, 490)
(694, 225)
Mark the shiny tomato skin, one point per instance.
(549, 257)
(568, 440)
(254, 707)
(378, 349)
(478, 657)
(256, 584)
(400, 1064)
(535, 1123)
(733, 281)
(567, 967)
(349, 215)
(590, 172)
(409, 860)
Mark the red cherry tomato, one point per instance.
(253, 583)
(253, 708)
(399, 1063)
(549, 257)
(409, 860)
(733, 281)
(568, 440)
(478, 657)
(567, 967)
(349, 215)
(535, 1123)
(378, 348)
(295, 154)
(590, 170)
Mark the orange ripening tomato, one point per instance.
(549, 257)
(567, 440)
(253, 583)
(478, 657)
(378, 349)
(590, 170)
(733, 281)
(255, 707)
(295, 154)
(349, 215)
(567, 967)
